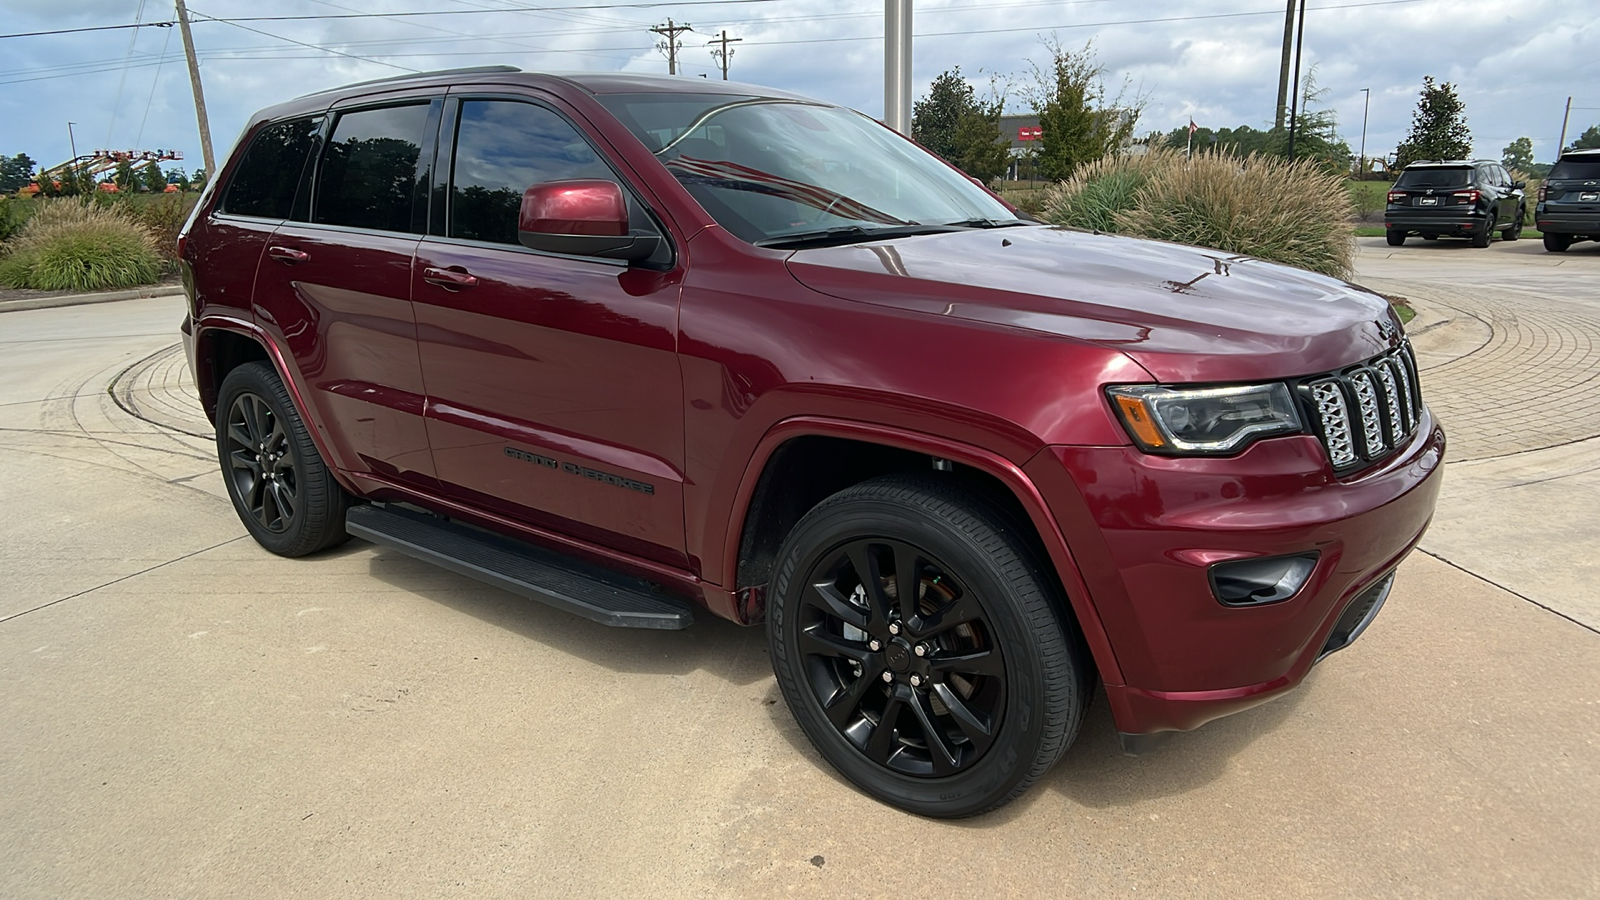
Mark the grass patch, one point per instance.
(73, 245)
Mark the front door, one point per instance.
(554, 395)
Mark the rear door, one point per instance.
(335, 286)
(554, 394)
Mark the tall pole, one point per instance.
(73, 168)
(1361, 167)
(1294, 101)
(199, 95)
(1283, 64)
(1562, 144)
(670, 43)
(723, 54)
(897, 65)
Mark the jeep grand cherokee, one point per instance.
(638, 347)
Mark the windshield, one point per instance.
(1576, 168)
(1434, 177)
(771, 169)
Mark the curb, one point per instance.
(6, 306)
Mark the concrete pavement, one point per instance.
(187, 715)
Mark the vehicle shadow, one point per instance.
(722, 648)
(1094, 772)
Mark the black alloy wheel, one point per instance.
(1485, 232)
(282, 490)
(901, 657)
(261, 462)
(921, 647)
(1515, 231)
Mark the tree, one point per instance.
(153, 179)
(1518, 155)
(1589, 140)
(1438, 127)
(982, 151)
(124, 179)
(1077, 125)
(1316, 133)
(15, 173)
(936, 117)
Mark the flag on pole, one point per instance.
(1192, 128)
(1188, 150)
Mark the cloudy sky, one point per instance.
(1514, 63)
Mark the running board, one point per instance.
(601, 595)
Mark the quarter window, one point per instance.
(503, 148)
(265, 182)
(369, 170)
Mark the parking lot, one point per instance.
(184, 714)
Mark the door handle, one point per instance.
(449, 279)
(288, 254)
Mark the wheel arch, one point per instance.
(782, 482)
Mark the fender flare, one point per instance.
(1007, 472)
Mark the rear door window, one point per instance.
(369, 172)
(1435, 177)
(1588, 169)
(504, 147)
(265, 182)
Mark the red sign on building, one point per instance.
(1029, 132)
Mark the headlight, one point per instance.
(1215, 420)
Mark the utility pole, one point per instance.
(897, 65)
(1283, 65)
(1562, 144)
(1294, 102)
(671, 43)
(199, 95)
(723, 54)
(1361, 167)
(74, 144)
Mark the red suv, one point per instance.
(637, 346)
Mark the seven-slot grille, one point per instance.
(1364, 412)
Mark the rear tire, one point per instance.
(950, 704)
(1395, 237)
(280, 487)
(1484, 235)
(1557, 243)
(1515, 231)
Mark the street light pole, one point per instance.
(897, 65)
(1294, 101)
(1361, 167)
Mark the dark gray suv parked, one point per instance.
(1455, 198)
(1569, 201)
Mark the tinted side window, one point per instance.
(369, 170)
(503, 148)
(265, 181)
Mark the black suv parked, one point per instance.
(1569, 201)
(1456, 198)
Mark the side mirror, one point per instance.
(582, 218)
(1519, 185)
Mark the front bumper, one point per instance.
(1144, 530)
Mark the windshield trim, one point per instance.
(705, 117)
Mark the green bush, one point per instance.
(11, 217)
(1291, 213)
(71, 245)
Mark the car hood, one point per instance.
(1184, 313)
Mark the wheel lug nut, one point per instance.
(894, 627)
(887, 675)
(916, 681)
(874, 644)
(920, 649)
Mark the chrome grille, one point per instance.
(1364, 412)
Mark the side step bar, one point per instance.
(601, 595)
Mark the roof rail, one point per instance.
(470, 70)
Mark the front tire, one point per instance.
(1557, 243)
(280, 487)
(916, 641)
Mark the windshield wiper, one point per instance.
(850, 234)
(988, 223)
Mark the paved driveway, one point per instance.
(183, 714)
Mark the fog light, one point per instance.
(1252, 582)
